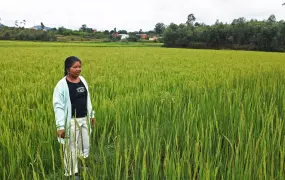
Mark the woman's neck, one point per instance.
(72, 78)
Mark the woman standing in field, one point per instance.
(73, 110)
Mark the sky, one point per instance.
(133, 15)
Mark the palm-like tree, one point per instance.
(190, 19)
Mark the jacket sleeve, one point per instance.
(58, 106)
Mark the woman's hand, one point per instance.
(92, 121)
(60, 133)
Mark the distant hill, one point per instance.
(2, 25)
(39, 27)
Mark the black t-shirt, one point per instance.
(78, 98)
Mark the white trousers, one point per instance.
(76, 145)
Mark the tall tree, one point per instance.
(190, 19)
(16, 23)
(122, 32)
(272, 18)
(24, 22)
(159, 28)
(83, 27)
(61, 30)
(239, 21)
(42, 26)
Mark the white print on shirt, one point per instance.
(80, 89)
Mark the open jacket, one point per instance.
(62, 106)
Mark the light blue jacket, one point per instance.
(62, 106)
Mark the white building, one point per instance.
(124, 36)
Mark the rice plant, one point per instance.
(161, 113)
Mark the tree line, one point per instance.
(265, 35)
(12, 33)
(262, 35)
(43, 33)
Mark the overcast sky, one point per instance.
(133, 15)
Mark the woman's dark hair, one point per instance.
(69, 62)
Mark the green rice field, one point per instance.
(162, 113)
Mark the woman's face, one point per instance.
(75, 69)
